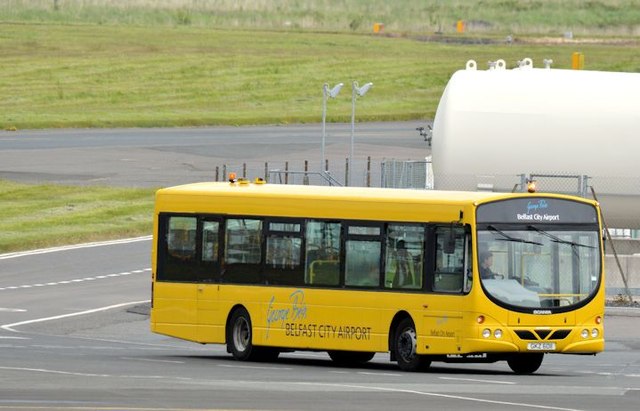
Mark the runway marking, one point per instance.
(76, 280)
(478, 380)
(433, 394)
(12, 310)
(152, 360)
(380, 374)
(9, 327)
(72, 247)
(86, 408)
(44, 370)
(254, 367)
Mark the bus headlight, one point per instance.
(497, 333)
(486, 333)
(585, 333)
(594, 332)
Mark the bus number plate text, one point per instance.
(541, 346)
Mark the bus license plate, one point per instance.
(541, 346)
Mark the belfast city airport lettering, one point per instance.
(292, 320)
(538, 217)
(346, 332)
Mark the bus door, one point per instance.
(210, 323)
(449, 282)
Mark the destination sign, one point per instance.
(543, 210)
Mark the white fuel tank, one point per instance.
(492, 126)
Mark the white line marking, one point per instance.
(477, 380)
(381, 374)
(432, 394)
(77, 280)
(254, 368)
(72, 247)
(7, 337)
(80, 374)
(9, 327)
(150, 360)
(12, 310)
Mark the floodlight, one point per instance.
(335, 90)
(363, 90)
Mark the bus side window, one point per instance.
(178, 251)
(450, 263)
(322, 250)
(283, 253)
(363, 252)
(404, 256)
(362, 263)
(210, 244)
(243, 251)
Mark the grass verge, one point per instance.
(36, 216)
(123, 76)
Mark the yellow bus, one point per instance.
(423, 275)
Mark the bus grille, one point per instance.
(542, 334)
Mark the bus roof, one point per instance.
(309, 192)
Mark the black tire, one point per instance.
(525, 363)
(350, 358)
(404, 346)
(240, 336)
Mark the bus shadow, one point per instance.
(438, 368)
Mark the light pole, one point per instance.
(326, 93)
(355, 91)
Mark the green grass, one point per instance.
(143, 63)
(593, 17)
(123, 76)
(35, 216)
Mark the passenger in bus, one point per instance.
(404, 272)
(486, 261)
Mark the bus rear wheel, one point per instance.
(405, 345)
(240, 340)
(350, 358)
(239, 336)
(525, 363)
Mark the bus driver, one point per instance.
(486, 261)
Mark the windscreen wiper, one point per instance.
(558, 239)
(507, 237)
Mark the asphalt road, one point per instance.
(74, 333)
(163, 157)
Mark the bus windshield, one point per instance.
(538, 266)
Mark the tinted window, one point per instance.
(322, 266)
(177, 249)
(243, 251)
(404, 256)
(284, 254)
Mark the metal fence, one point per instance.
(617, 196)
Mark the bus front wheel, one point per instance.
(525, 363)
(405, 344)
